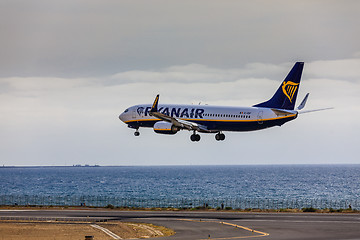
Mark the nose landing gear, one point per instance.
(220, 136)
(137, 133)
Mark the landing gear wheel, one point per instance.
(195, 137)
(217, 137)
(137, 133)
(220, 137)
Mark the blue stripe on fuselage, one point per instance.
(223, 125)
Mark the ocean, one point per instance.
(331, 182)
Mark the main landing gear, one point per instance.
(220, 136)
(195, 137)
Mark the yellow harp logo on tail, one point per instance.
(289, 89)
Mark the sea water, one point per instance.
(331, 182)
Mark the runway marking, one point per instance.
(295, 221)
(152, 231)
(107, 231)
(262, 234)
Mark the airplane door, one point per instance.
(134, 113)
(260, 117)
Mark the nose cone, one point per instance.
(122, 117)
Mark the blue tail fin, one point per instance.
(285, 96)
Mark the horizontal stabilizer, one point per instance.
(315, 110)
(280, 112)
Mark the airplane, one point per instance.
(171, 118)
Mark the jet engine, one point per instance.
(165, 128)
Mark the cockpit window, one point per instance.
(126, 110)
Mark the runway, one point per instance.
(222, 225)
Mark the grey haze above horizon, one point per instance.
(69, 68)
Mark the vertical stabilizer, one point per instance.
(285, 96)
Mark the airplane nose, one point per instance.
(122, 117)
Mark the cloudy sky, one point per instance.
(69, 68)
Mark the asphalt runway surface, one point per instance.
(220, 225)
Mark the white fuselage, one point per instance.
(215, 118)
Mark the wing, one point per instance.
(183, 124)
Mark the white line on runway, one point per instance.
(107, 231)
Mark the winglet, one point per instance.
(302, 104)
(154, 107)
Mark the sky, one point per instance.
(69, 68)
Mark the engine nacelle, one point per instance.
(165, 128)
